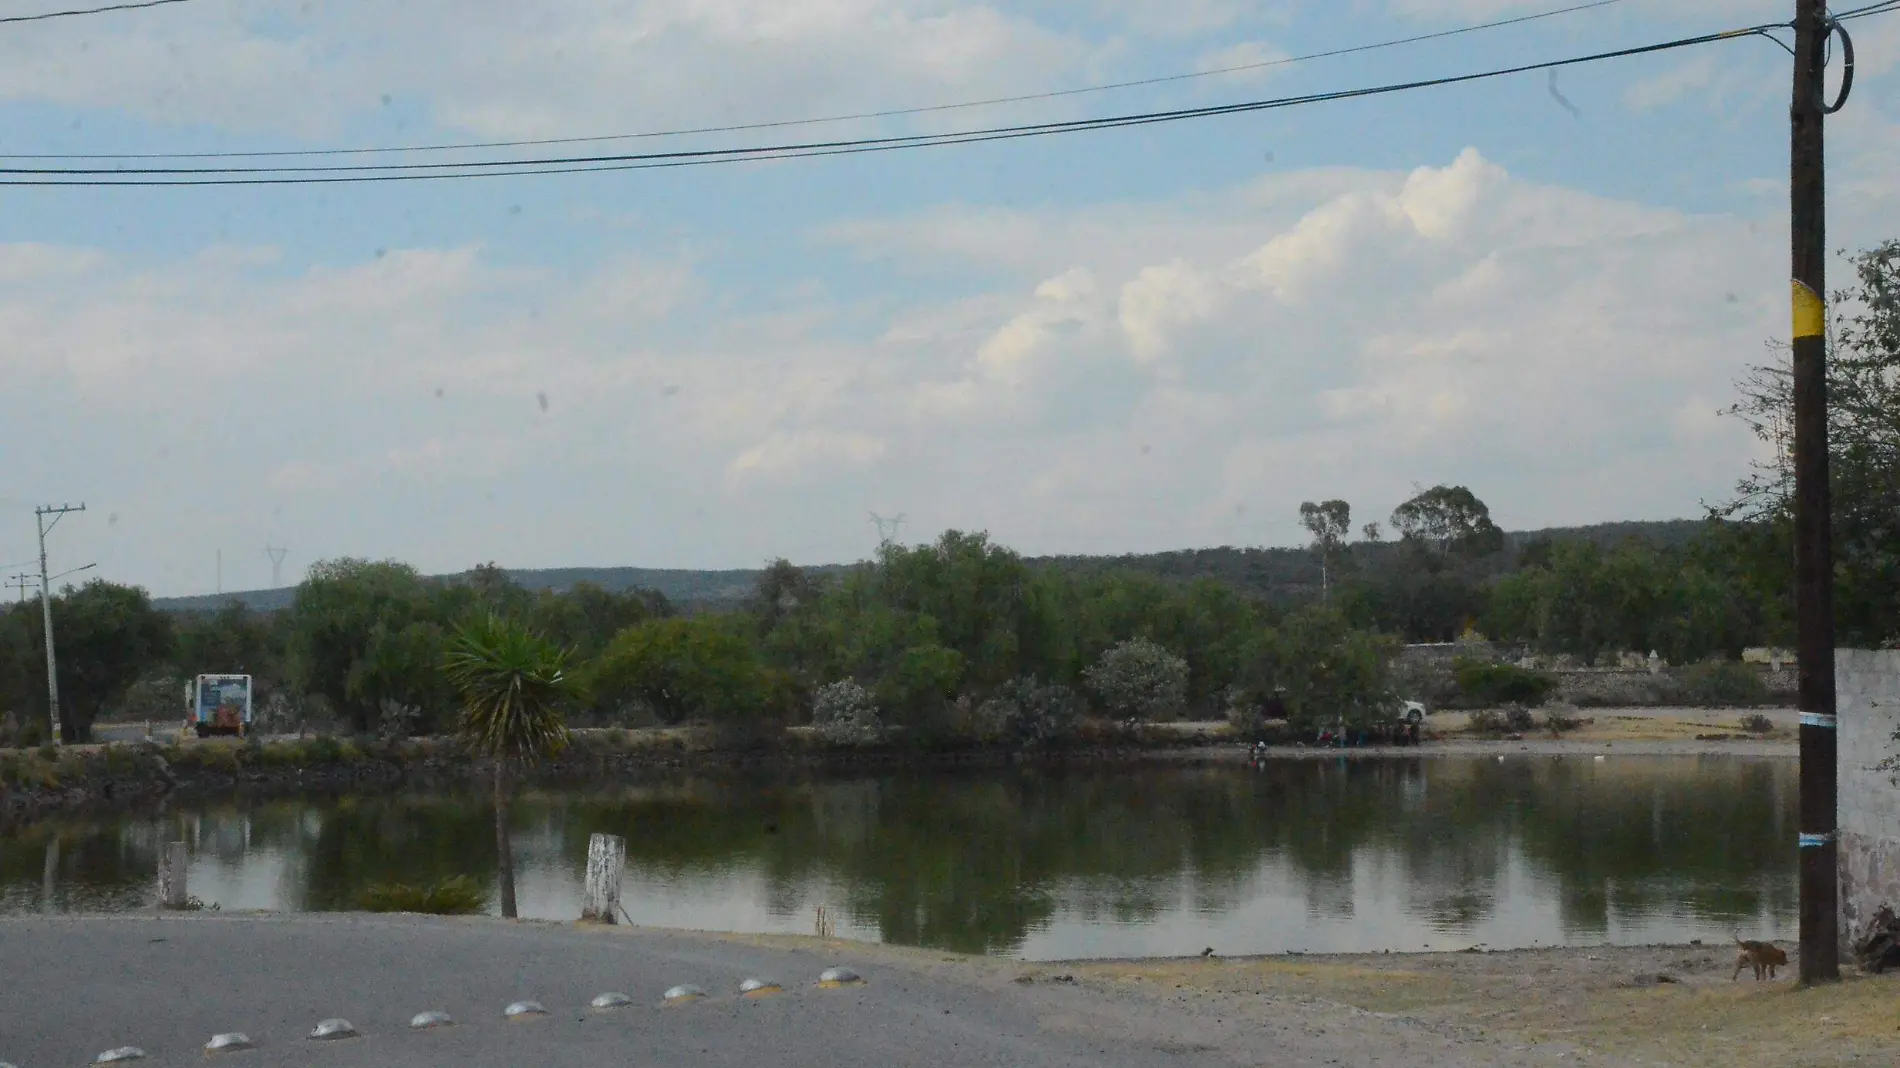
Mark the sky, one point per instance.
(1144, 339)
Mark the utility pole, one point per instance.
(46, 609)
(276, 554)
(21, 583)
(1813, 532)
(220, 586)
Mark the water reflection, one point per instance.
(1310, 856)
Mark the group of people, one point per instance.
(1360, 737)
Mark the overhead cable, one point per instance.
(325, 174)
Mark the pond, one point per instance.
(1301, 855)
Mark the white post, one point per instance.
(172, 865)
(606, 858)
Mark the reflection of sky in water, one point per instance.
(1404, 877)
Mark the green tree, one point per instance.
(694, 667)
(1323, 669)
(1452, 520)
(400, 666)
(106, 636)
(1863, 387)
(1330, 523)
(514, 687)
(232, 640)
(339, 612)
(586, 617)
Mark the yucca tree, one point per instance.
(514, 687)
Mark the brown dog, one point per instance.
(1764, 957)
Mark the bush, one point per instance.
(1139, 680)
(1488, 685)
(1512, 719)
(457, 895)
(845, 714)
(1023, 712)
(211, 756)
(1756, 723)
(1722, 684)
(1559, 721)
(316, 752)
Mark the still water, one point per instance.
(1311, 856)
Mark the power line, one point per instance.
(330, 174)
(43, 16)
(1881, 8)
(888, 113)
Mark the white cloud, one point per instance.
(522, 71)
(1131, 376)
(800, 453)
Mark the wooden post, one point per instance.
(172, 865)
(606, 857)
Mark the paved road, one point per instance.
(75, 987)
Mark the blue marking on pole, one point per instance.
(1823, 720)
(1815, 841)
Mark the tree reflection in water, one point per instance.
(980, 862)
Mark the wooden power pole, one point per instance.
(1813, 550)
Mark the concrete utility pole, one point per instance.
(21, 583)
(1813, 532)
(46, 610)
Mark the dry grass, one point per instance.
(1582, 998)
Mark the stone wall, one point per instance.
(1867, 686)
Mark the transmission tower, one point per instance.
(276, 554)
(887, 528)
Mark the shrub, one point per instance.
(1139, 679)
(845, 714)
(1560, 721)
(1488, 684)
(1722, 684)
(458, 895)
(1756, 723)
(396, 721)
(282, 755)
(1023, 711)
(1512, 719)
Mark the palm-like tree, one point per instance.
(514, 687)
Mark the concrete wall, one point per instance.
(1867, 692)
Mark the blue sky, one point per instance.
(1120, 341)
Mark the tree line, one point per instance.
(964, 636)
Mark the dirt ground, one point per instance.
(1610, 1007)
(1714, 725)
(1673, 1005)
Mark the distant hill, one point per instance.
(1271, 572)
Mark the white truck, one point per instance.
(218, 705)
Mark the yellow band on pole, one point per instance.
(1810, 314)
